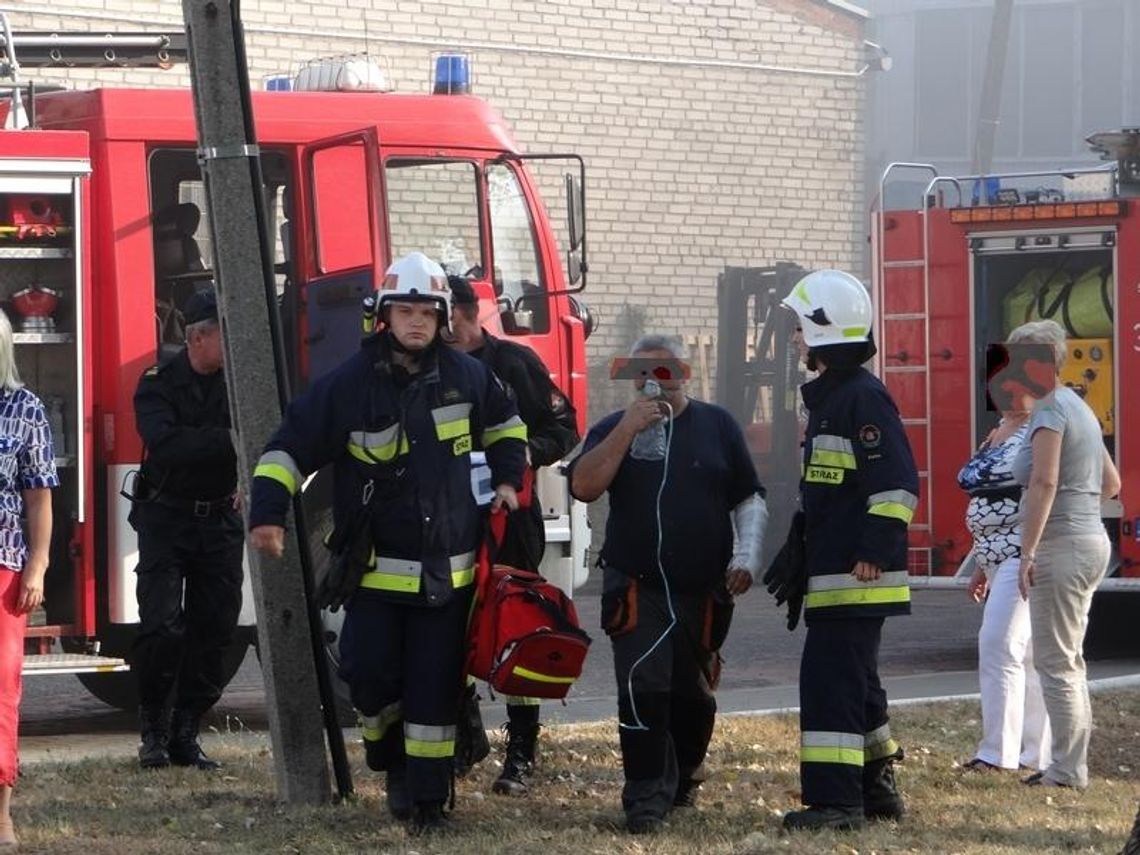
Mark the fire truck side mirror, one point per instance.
(575, 218)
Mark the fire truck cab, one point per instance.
(958, 265)
(103, 239)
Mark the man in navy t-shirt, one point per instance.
(682, 539)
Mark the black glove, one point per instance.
(786, 578)
(351, 554)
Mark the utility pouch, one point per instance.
(619, 606)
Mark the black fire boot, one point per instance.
(1132, 845)
(881, 797)
(399, 800)
(154, 732)
(427, 818)
(184, 747)
(819, 817)
(522, 740)
(471, 743)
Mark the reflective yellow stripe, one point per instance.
(881, 750)
(429, 750)
(279, 466)
(374, 727)
(520, 671)
(854, 332)
(512, 428)
(430, 741)
(462, 578)
(517, 701)
(391, 582)
(832, 754)
(892, 510)
(453, 430)
(831, 747)
(840, 459)
(865, 596)
(278, 473)
(373, 453)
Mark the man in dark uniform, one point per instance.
(552, 433)
(860, 490)
(684, 536)
(398, 421)
(190, 535)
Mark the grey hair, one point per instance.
(206, 326)
(671, 343)
(1042, 332)
(9, 376)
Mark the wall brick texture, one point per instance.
(694, 162)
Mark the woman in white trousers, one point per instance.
(1015, 726)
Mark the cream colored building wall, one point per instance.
(696, 158)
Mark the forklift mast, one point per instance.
(758, 379)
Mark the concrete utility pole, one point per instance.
(283, 616)
(989, 112)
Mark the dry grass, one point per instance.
(105, 806)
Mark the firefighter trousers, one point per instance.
(667, 721)
(189, 579)
(403, 663)
(843, 711)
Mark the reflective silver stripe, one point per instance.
(878, 735)
(830, 739)
(281, 467)
(839, 581)
(373, 727)
(829, 442)
(442, 415)
(374, 439)
(430, 732)
(898, 497)
(408, 567)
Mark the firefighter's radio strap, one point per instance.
(350, 548)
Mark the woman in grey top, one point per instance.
(1066, 472)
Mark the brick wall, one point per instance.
(692, 165)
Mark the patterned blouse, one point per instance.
(992, 515)
(26, 462)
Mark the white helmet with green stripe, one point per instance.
(833, 307)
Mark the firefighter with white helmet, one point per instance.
(398, 421)
(859, 491)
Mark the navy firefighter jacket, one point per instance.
(408, 438)
(860, 490)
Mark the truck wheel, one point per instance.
(1111, 633)
(119, 688)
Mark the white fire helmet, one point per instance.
(833, 307)
(415, 278)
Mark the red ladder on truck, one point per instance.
(900, 254)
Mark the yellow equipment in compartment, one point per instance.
(1088, 372)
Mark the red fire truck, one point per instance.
(961, 265)
(102, 241)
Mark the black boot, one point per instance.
(522, 740)
(824, 816)
(399, 800)
(1132, 845)
(471, 743)
(184, 747)
(154, 732)
(427, 818)
(881, 797)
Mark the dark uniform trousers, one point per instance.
(408, 722)
(667, 722)
(843, 711)
(189, 594)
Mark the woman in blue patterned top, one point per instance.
(27, 474)
(1015, 726)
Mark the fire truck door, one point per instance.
(340, 256)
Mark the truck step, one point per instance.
(71, 663)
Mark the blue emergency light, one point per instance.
(279, 83)
(452, 74)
